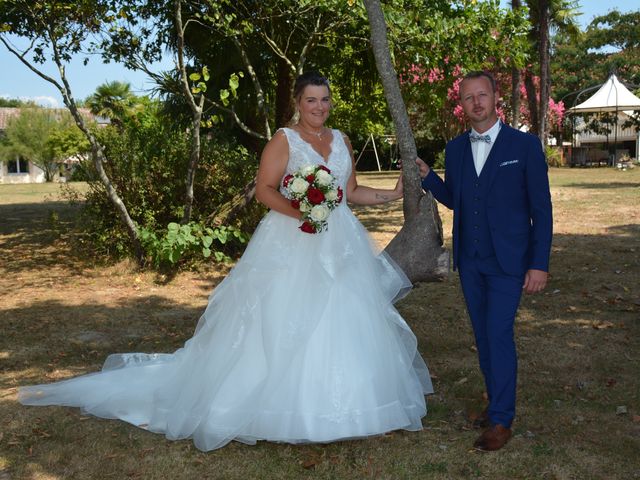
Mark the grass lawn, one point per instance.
(579, 345)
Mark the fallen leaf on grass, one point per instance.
(602, 325)
(635, 419)
(311, 462)
(621, 410)
(462, 380)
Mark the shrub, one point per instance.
(192, 241)
(554, 156)
(147, 162)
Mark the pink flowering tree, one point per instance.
(452, 40)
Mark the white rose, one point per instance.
(305, 206)
(298, 185)
(331, 195)
(307, 170)
(319, 213)
(324, 178)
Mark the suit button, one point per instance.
(476, 227)
(475, 212)
(475, 240)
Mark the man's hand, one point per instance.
(423, 167)
(535, 281)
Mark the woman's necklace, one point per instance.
(315, 134)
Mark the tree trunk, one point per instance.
(97, 154)
(196, 116)
(532, 100)
(228, 211)
(544, 70)
(515, 84)
(284, 87)
(418, 247)
(515, 97)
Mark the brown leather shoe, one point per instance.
(482, 420)
(493, 438)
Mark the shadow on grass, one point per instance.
(604, 185)
(47, 336)
(32, 237)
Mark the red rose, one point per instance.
(307, 227)
(339, 194)
(322, 167)
(295, 204)
(311, 178)
(315, 196)
(286, 180)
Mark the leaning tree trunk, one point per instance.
(417, 247)
(97, 154)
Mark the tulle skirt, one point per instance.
(300, 343)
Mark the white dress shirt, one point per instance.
(480, 150)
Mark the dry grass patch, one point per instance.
(61, 315)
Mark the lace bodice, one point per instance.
(301, 153)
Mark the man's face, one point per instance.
(478, 101)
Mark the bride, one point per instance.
(300, 342)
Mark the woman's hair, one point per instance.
(302, 82)
(306, 79)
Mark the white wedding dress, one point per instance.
(299, 343)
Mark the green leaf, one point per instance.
(234, 82)
(195, 76)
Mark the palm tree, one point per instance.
(546, 16)
(112, 100)
(515, 82)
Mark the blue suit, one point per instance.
(502, 227)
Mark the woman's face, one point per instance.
(314, 105)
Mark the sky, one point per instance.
(17, 81)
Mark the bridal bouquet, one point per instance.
(313, 191)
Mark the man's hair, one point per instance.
(480, 74)
(306, 79)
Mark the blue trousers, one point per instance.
(492, 299)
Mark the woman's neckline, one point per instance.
(324, 160)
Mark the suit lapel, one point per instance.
(496, 152)
(464, 149)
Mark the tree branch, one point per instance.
(29, 65)
(256, 85)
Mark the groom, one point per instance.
(496, 183)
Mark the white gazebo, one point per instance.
(611, 97)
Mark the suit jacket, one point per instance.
(518, 199)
